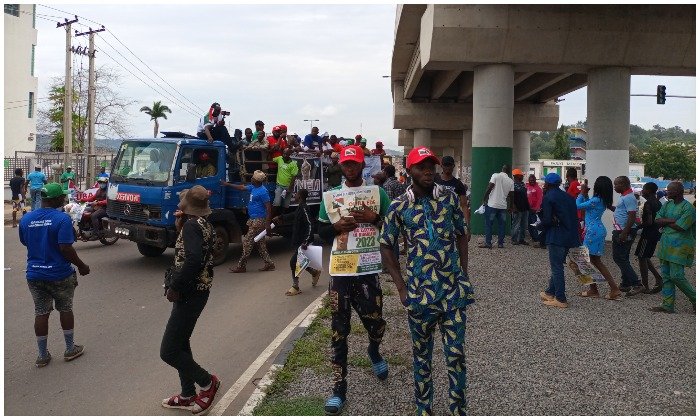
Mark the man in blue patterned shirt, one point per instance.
(438, 290)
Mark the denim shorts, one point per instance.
(45, 292)
(282, 201)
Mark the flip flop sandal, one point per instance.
(586, 293)
(292, 292)
(334, 405)
(616, 297)
(381, 369)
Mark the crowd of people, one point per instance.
(428, 211)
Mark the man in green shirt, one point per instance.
(677, 251)
(287, 170)
(67, 176)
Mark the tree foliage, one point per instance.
(157, 111)
(561, 149)
(110, 109)
(670, 161)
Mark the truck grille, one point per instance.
(133, 211)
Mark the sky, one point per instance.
(277, 63)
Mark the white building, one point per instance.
(21, 84)
(542, 167)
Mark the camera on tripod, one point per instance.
(225, 113)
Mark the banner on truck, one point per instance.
(357, 252)
(311, 178)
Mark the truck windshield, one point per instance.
(144, 162)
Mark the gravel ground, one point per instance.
(598, 357)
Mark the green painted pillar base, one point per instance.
(486, 161)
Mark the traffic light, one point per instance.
(660, 94)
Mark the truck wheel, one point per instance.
(150, 250)
(110, 240)
(220, 245)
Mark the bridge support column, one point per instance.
(421, 137)
(465, 174)
(521, 151)
(492, 129)
(608, 108)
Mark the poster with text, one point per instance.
(311, 178)
(357, 252)
(373, 164)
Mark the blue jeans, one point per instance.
(621, 256)
(500, 216)
(35, 193)
(519, 226)
(557, 258)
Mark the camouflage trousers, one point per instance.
(255, 226)
(452, 326)
(364, 294)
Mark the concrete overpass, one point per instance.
(472, 81)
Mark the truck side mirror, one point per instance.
(191, 175)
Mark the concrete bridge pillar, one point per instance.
(465, 175)
(521, 151)
(608, 108)
(421, 137)
(492, 129)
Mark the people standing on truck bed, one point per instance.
(287, 172)
(211, 126)
(253, 152)
(275, 144)
(259, 217)
(313, 141)
(334, 174)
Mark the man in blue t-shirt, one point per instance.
(313, 141)
(624, 232)
(48, 235)
(259, 217)
(36, 181)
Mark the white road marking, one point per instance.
(232, 393)
(260, 391)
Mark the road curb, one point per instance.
(286, 338)
(261, 387)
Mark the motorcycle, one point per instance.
(80, 211)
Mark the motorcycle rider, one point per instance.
(99, 207)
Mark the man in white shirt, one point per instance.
(498, 200)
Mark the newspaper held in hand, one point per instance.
(537, 223)
(311, 257)
(262, 234)
(480, 210)
(580, 264)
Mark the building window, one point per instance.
(12, 9)
(30, 114)
(33, 51)
(34, 16)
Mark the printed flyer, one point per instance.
(357, 252)
(580, 264)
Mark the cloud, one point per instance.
(312, 111)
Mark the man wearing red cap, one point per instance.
(379, 150)
(276, 144)
(437, 290)
(349, 289)
(204, 167)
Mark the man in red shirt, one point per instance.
(276, 145)
(574, 190)
(335, 144)
(379, 150)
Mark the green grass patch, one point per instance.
(396, 360)
(298, 406)
(325, 311)
(357, 328)
(359, 361)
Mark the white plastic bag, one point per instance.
(480, 210)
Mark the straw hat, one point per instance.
(195, 201)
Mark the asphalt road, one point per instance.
(120, 315)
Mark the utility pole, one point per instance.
(68, 98)
(91, 105)
(311, 124)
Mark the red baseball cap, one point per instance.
(276, 128)
(418, 155)
(352, 153)
(283, 127)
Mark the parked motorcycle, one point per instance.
(80, 212)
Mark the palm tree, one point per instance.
(158, 111)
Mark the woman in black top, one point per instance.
(649, 238)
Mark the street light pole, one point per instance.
(311, 124)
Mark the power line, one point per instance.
(69, 14)
(177, 101)
(154, 72)
(141, 80)
(26, 105)
(25, 100)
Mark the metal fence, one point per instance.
(52, 165)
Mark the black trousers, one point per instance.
(96, 219)
(175, 348)
(364, 294)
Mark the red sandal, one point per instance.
(179, 402)
(203, 401)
